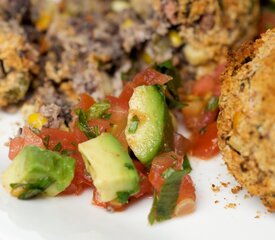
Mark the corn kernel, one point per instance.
(147, 58)
(127, 23)
(36, 120)
(175, 39)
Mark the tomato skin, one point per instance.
(80, 181)
(205, 145)
(187, 189)
(146, 187)
(27, 138)
(209, 83)
(160, 164)
(69, 142)
(85, 102)
(149, 76)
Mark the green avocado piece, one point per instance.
(146, 122)
(113, 172)
(35, 171)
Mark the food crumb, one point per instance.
(246, 196)
(231, 205)
(225, 184)
(236, 189)
(215, 188)
(258, 214)
(216, 201)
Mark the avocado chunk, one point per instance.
(113, 172)
(37, 171)
(146, 122)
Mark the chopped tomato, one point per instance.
(69, 143)
(195, 120)
(161, 163)
(145, 186)
(27, 137)
(81, 180)
(102, 124)
(148, 76)
(187, 197)
(205, 144)
(209, 83)
(118, 120)
(181, 144)
(85, 102)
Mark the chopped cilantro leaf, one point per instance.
(167, 173)
(122, 197)
(186, 164)
(98, 109)
(213, 104)
(57, 147)
(133, 125)
(129, 166)
(46, 141)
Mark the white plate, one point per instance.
(74, 218)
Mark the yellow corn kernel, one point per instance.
(44, 21)
(175, 39)
(127, 23)
(147, 58)
(36, 120)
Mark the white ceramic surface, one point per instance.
(74, 218)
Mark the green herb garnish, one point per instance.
(213, 104)
(186, 164)
(122, 197)
(133, 124)
(164, 205)
(167, 173)
(30, 190)
(57, 147)
(129, 166)
(83, 125)
(97, 110)
(46, 141)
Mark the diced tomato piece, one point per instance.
(27, 137)
(205, 145)
(85, 102)
(196, 121)
(148, 76)
(181, 144)
(67, 139)
(102, 124)
(161, 163)
(81, 180)
(15, 146)
(145, 185)
(69, 142)
(209, 83)
(127, 92)
(118, 120)
(187, 197)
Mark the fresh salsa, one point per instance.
(122, 148)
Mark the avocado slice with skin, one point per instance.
(146, 123)
(36, 171)
(112, 170)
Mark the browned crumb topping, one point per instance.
(225, 184)
(215, 188)
(236, 189)
(231, 205)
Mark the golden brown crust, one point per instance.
(246, 123)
